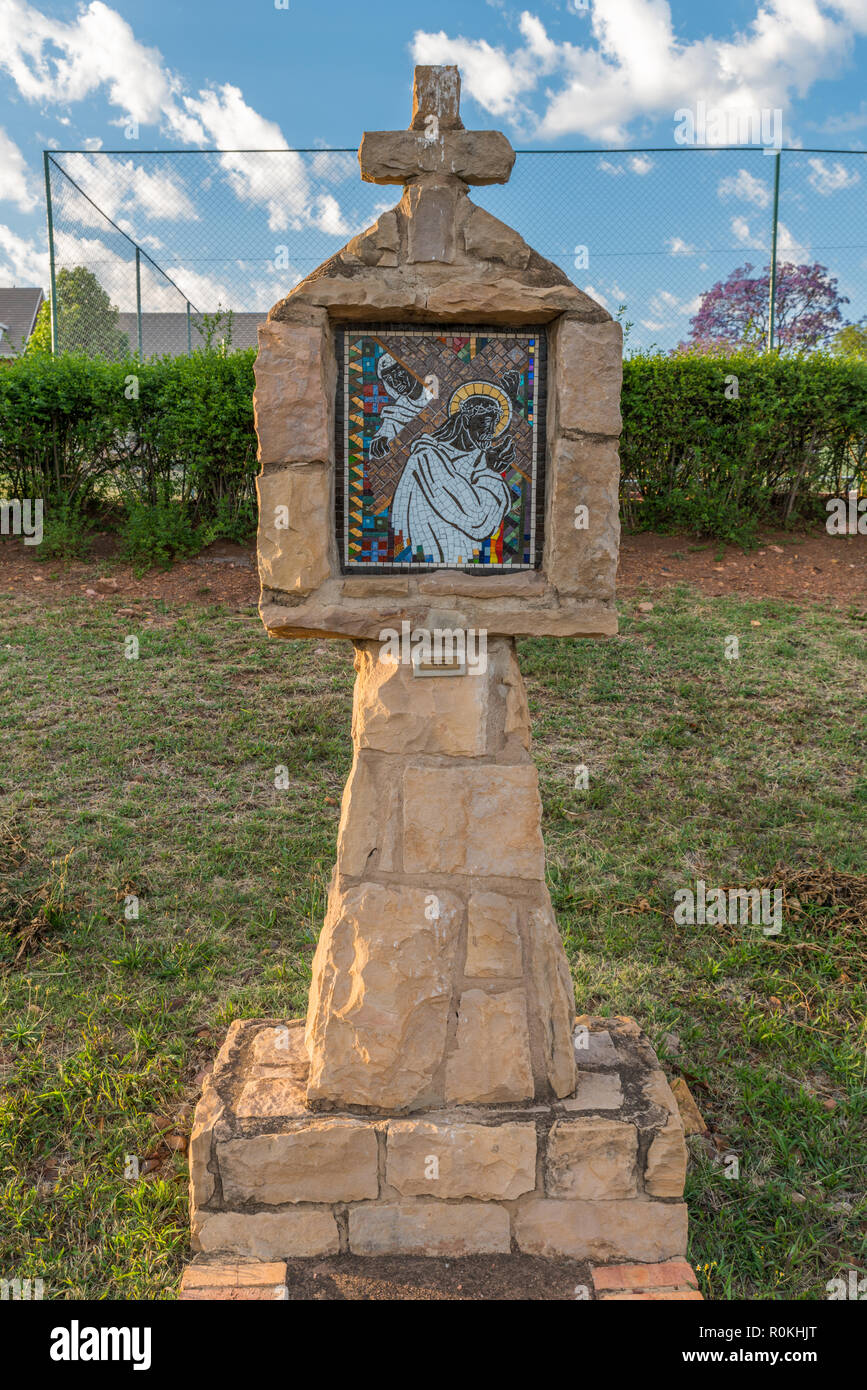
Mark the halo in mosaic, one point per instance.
(440, 442)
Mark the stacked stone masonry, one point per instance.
(596, 1175)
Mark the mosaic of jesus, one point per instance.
(441, 461)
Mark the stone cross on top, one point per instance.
(436, 148)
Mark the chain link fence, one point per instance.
(160, 252)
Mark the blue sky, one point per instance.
(553, 75)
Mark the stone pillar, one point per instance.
(440, 977)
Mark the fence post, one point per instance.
(52, 279)
(138, 298)
(189, 331)
(772, 296)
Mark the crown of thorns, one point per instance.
(479, 405)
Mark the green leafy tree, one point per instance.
(87, 321)
(851, 341)
(40, 338)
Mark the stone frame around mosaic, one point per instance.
(539, 427)
(303, 591)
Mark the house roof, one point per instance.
(18, 310)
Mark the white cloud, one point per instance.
(678, 247)
(745, 185)
(118, 186)
(22, 261)
(640, 164)
(597, 295)
(62, 63)
(745, 236)
(667, 306)
(827, 180)
(607, 167)
(634, 64)
(788, 249)
(15, 182)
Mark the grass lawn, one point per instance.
(155, 778)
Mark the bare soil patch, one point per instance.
(809, 567)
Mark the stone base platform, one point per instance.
(597, 1176)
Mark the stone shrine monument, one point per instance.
(438, 412)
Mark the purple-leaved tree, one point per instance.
(734, 312)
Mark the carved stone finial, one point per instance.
(436, 148)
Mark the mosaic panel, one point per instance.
(440, 450)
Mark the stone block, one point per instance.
(321, 1160)
(436, 91)
(378, 1011)
(293, 402)
(264, 1097)
(628, 1230)
(592, 1159)
(494, 821)
(582, 560)
(553, 998)
(395, 712)
(491, 1057)
(269, 1235)
(430, 222)
(208, 1112)
(587, 359)
(295, 543)
(493, 940)
(593, 1049)
(429, 1228)
(665, 1173)
(368, 836)
(596, 1090)
(446, 1159)
(488, 239)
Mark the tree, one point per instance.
(86, 318)
(734, 312)
(40, 338)
(851, 341)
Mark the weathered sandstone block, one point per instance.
(630, 1230)
(295, 543)
(554, 997)
(665, 1173)
(379, 1001)
(454, 1159)
(592, 1159)
(395, 712)
(368, 836)
(588, 365)
(494, 822)
(293, 403)
(269, 1235)
(493, 940)
(429, 1228)
(491, 1057)
(318, 1161)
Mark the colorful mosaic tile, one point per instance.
(441, 447)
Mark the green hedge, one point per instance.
(719, 444)
(713, 444)
(169, 441)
